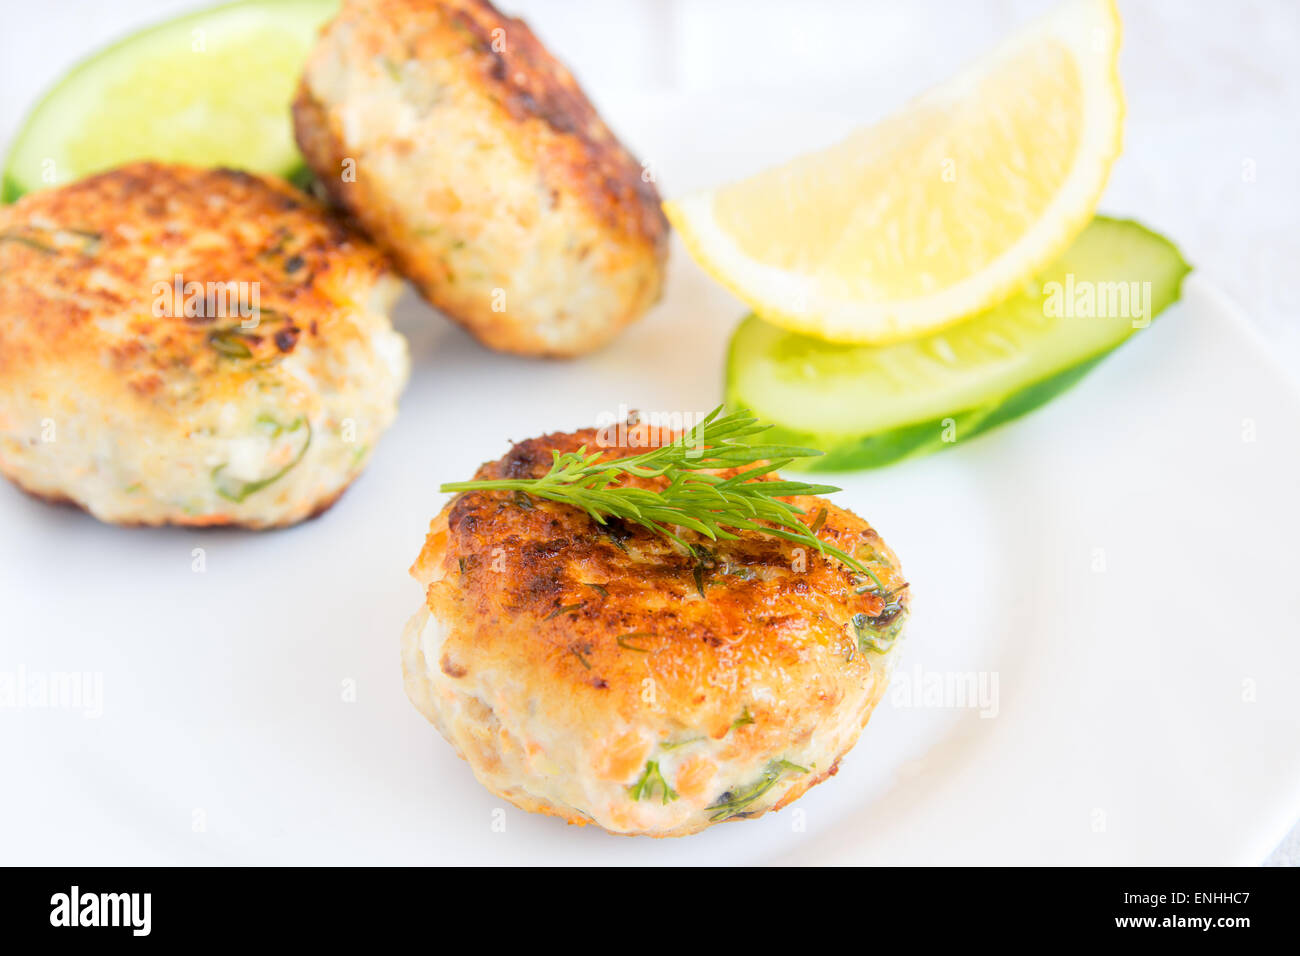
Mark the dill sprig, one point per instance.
(651, 778)
(708, 504)
(736, 802)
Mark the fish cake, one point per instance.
(191, 346)
(604, 674)
(472, 156)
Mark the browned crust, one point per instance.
(534, 87)
(536, 93)
(82, 252)
(516, 587)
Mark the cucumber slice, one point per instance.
(870, 405)
(212, 88)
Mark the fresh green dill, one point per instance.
(563, 609)
(735, 802)
(27, 241)
(693, 499)
(673, 745)
(633, 635)
(270, 424)
(743, 719)
(878, 633)
(230, 344)
(237, 491)
(650, 779)
(698, 573)
(89, 245)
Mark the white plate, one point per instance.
(1122, 563)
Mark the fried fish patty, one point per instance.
(605, 675)
(191, 346)
(470, 154)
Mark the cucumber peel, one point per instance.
(211, 88)
(867, 406)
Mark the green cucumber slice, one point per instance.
(212, 88)
(867, 406)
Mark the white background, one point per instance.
(1212, 138)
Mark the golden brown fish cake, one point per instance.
(470, 154)
(190, 346)
(604, 674)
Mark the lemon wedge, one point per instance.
(938, 211)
